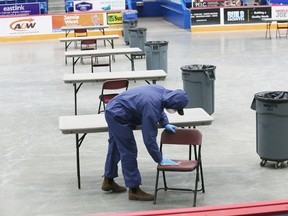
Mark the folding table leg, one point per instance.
(78, 161)
(78, 144)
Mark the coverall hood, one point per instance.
(176, 99)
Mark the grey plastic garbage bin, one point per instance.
(129, 19)
(156, 55)
(271, 126)
(137, 38)
(198, 82)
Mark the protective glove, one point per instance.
(168, 162)
(170, 128)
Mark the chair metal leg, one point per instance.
(202, 177)
(196, 187)
(164, 180)
(156, 187)
(99, 109)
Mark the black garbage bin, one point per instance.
(271, 126)
(198, 82)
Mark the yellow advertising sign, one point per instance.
(114, 18)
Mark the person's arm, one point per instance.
(164, 120)
(150, 132)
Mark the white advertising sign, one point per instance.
(96, 5)
(280, 12)
(26, 26)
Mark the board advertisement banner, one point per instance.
(246, 15)
(98, 5)
(207, 16)
(29, 25)
(20, 9)
(280, 12)
(88, 19)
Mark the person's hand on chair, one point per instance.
(170, 128)
(168, 162)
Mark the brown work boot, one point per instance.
(110, 185)
(138, 194)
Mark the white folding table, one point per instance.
(269, 22)
(78, 79)
(77, 54)
(69, 40)
(68, 29)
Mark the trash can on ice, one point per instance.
(156, 55)
(129, 19)
(198, 82)
(271, 126)
(137, 38)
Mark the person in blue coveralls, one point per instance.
(143, 106)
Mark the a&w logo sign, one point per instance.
(23, 24)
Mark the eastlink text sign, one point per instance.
(20, 9)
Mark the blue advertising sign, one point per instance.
(20, 9)
(84, 6)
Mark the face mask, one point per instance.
(171, 111)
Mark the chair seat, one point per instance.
(87, 48)
(184, 165)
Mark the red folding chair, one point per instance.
(110, 89)
(188, 137)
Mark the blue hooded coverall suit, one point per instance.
(138, 106)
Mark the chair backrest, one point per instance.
(188, 137)
(182, 137)
(282, 24)
(115, 84)
(89, 43)
(109, 89)
(80, 32)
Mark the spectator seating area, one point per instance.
(69, 6)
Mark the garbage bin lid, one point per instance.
(137, 29)
(272, 96)
(129, 12)
(153, 43)
(197, 68)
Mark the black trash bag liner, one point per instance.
(198, 67)
(156, 43)
(275, 96)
